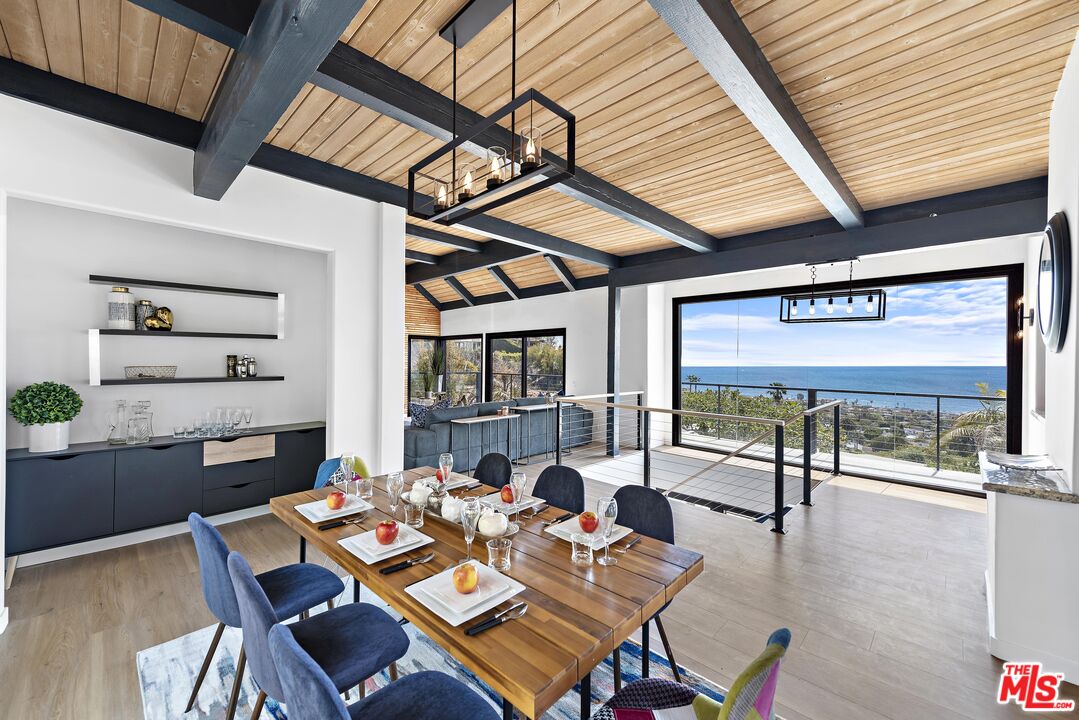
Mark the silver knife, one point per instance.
(407, 564)
(628, 545)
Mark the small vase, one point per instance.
(49, 437)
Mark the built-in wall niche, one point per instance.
(144, 286)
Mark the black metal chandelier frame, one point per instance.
(834, 305)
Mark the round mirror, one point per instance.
(1054, 283)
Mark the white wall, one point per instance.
(52, 249)
(54, 158)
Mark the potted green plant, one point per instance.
(47, 409)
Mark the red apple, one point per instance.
(465, 578)
(335, 500)
(440, 477)
(589, 522)
(507, 494)
(386, 532)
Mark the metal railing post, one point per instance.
(938, 433)
(811, 402)
(835, 440)
(646, 432)
(719, 411)
(640, 403)
(777, 517)
(807, 460)
(558, 433)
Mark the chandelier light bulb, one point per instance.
(794, 307)
(831, 306)
(850, 305)
(812, 307)
(869, 304)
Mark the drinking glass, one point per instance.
(348, 462)
(498, 554)
(201, 429)
(365, 487)
(219, 421)
(190, 431)
(395, 484)
(414, 513)
(607, 509)
(581, 554)
(236, 415)
(247, 419)
(470, 517)
(178, 431)
(445, 464)
(517, 486)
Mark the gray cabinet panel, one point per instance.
(298, 456)
(237, 473)
(58, 500)
(238, 497)
(155, 486)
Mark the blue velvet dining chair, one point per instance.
(350, 643)
(290, 590)
(325, 471)
(493, 469)
(310, 693)
(562, 487)
(648, 512)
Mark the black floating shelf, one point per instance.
(179, 333)
(170, 381)
(186, 287)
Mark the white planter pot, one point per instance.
(49, 437)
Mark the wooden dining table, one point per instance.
(576, 615)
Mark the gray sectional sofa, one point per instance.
(424, 445)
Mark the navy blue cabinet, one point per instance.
(299, 454)
(58, 500)
(157, 485)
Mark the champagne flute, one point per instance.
(445, 466)
(395, 484)
(235, 416)
(247, 419)
(470, 517)
(607, 509)
(517, 486)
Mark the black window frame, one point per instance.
(483, 359)
(408, 366)
(523, 335)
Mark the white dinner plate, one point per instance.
(495, 501)
(366, 547)
(317, 511)
(419, 591)
(567, 528)
(457, 480)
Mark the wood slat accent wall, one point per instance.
(421, 318)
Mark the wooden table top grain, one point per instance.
(576, 615)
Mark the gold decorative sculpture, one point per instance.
(160, 320)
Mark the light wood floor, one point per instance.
(882, 590)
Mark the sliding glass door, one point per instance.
(526, 364)
(422, 359)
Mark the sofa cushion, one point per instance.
(491, 408)
(531, 401)
(441, 415)
(420, 412)
(419, 442)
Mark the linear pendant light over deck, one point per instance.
(839, 305)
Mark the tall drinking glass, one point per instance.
(517, 485)
(607, 509)
(470, 517)
(236, 415)
(395, 484)
(445, 466)
(247, 419)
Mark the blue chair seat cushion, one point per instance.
(294, 588)
(351, 642)
(423, 696)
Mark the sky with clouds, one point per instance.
(950, 323)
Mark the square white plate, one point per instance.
(457, 480)
(366, 547)
(495, 501)
(567, 528)
(432, 603)
(317, 511)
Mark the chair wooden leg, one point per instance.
(205, 666)
(230, 712)
(303, 615)
(258, 705)
(644, 650)
(393, 671)
(667, 647)
(329, 604)
(362, 689)
(617, 669)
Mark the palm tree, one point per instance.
(986, 427)
(778, 392)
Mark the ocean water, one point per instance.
(880, 381)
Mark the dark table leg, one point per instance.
(303, 549)
(586, 696)
(507, 710)
(355, 590)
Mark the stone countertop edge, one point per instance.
(160, 441)
(1031, 491)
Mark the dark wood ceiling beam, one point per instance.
(713, 31)
(495, 253)
(225, 21)
(557, 288)
(504, 280)
(421, 257)
(460, 289)
(430, 298)
(284, 45)
(442, 238)
(565, 275)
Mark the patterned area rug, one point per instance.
(167, 671)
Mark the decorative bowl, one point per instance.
(146, 372)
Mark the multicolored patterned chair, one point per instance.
(752, 697)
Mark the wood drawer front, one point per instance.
(237, 473)
(226, 499)
(219, 452)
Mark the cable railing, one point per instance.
(613, 427)
(912, 434)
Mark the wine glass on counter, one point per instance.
(236, 416)
(247, 419)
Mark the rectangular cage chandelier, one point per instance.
(844, 305)
(489, 164)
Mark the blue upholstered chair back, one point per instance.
(647, 511)
(494, 469)
(309, 693)
(213, 569)
(326, 469)
(257, 616)
(562, 487)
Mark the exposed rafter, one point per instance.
(536, 291)
(429, 297)
(494, 252)
(421, 257)
(504, 280)
(442, 238)
(565, 276)
(717, 37)
(225, 21)
(460, 289)
(285, 43)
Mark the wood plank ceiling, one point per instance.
(910, 99)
